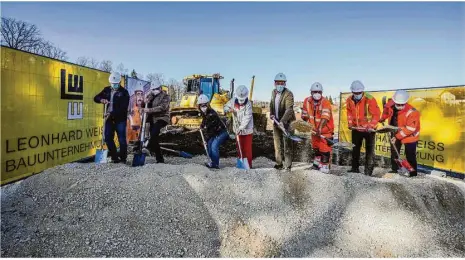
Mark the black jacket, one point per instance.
(120, 102)
(212, 123)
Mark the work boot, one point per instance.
(354, 170)
(392, 171)
(115, 160)
(413, 174)
(123, 160)
(278, 166)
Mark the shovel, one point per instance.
(286, 133)
(139, 156)
(241, 163)
(404, 167)
(204, 144)
(180, 153)
(101, 155)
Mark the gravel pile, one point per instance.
(183, 209)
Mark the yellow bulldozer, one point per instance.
(185, 114)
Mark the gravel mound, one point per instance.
(183, 209)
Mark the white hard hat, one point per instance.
(357, 86)
(154, 85)
(114, 78)
(139, 86)
(241, 93)
(280, 77)
(203, 99)
(316, 87)
(400, 97)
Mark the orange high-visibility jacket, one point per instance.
(408, 121)
(364, 113)
(316, 114)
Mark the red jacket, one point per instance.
(364, 113)
(314, 116)
(408, 121)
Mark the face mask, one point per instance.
(204, 109)
(241, 101)
(280, 88)
(316, 96)
(156, 91)
(115, 85)
(400, 107)
(358, 97)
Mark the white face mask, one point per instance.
(316, 96)
(241, 101)
(204, 109)
(400, 107)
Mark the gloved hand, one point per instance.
(393, 140)
(281, 125)
(304, 115)
(227, 109)
(317, 132)
(381, 121)
(272, 117)
(135, 127)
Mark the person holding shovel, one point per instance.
(241, 107)
(213, 129)
(363, 115)
(117, 99)
(282, 114)
(158, 115)
(317, 112)
(407, 120)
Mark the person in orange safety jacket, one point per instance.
(363, 115)
(317, 112)
(402, 115)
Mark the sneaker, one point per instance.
(324, 169)
(278, 166)
(211, 166)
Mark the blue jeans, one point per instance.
(213, 146)
(120, 128)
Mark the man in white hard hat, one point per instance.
(214, 130)
(241, 106)
(317, 111)
(363, 115)
(117, 99)
(404, 116)
(282, 110)
(158, 116)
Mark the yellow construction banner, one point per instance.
(49, 116)
(442, 122)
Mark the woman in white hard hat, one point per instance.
(117, 99)
(282, 110)
(214, 130)
(243, 127)
(158, 115)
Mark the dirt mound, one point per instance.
(183, 209)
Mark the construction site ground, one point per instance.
(183, 209)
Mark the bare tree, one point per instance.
(121, 69)
(157, 77)
(83, 61)
(93, 63)
(106, 65)
(20, 35)
(52, 51)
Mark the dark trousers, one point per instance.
(410, 153)
(154, 142)
(357, 139)
(120, 128)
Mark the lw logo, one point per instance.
(73, 91)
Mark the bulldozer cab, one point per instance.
(203, 84)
